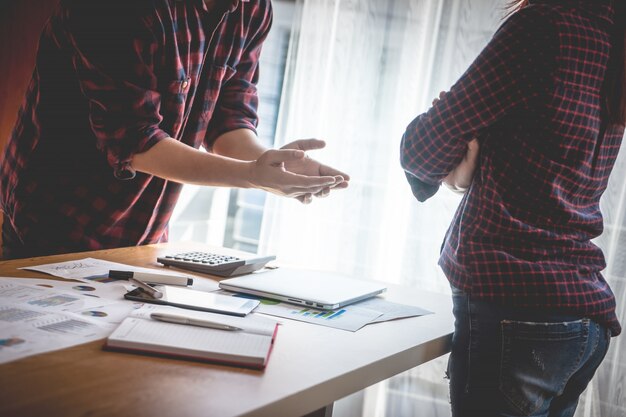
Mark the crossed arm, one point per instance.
(460, 178)
(514, 70)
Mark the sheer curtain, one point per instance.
(358, 71)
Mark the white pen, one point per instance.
(154, 293)
(156, 278)
(172, 318)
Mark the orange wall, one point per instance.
(21, 22)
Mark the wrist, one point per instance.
(250, 175)
(454, 188)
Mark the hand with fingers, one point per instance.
(442, 94)
(270, 173)
(311, 168)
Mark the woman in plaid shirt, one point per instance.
(530, 134)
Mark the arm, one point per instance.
(243, 144)
(514, 69)
(232, 129)
(176, 161)
(117, 77)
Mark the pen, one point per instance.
(156, 278)
(172, 318)
(147, 288)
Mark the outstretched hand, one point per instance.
(268, 173)
(311, 168)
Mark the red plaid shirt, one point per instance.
(112, 79)
(521, 235)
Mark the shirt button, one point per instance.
(185, 84)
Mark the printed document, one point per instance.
(38, 318)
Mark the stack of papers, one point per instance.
(39, 316)
(352, 317)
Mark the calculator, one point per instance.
(215, 263)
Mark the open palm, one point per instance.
(310, 167)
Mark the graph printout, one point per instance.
(347, 318)
(352, 317)
(39, 318)
(92, 270)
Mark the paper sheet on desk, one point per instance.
(346, 318)
(390, 310)
(351, 318)
(107, 303)
(92, 269)
(93, 289)
(36, 319)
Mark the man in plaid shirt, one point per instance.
(122, 96)
(527, 131)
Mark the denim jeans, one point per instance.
(512, 362)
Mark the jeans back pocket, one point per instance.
(538, 359)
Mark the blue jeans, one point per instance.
(507, 362)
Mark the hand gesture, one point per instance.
(269, 173)
(312, 168)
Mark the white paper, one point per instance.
(352, 317)
(107, 302)
(47, 299)
(35, 319)
(390, 310)
(97, 270)
(113, 291)
(92, 269)
(346, 318)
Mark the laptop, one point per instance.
(322, 290)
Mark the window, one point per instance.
(232, 217)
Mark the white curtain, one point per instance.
(358, 72)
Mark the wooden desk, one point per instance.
(310, 367)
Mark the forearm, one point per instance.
(175, 161)
(428, 155)
(239, 144)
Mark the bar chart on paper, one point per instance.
(57, 300)
(75, 327)
(349, 318)
(321, 315)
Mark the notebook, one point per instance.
(249, 347)
(324, 290)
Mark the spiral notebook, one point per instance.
(249, 347)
